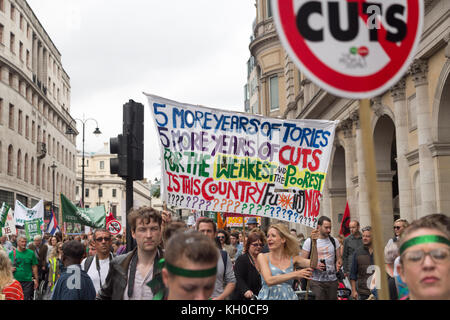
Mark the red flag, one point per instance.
(345, 224)
(109, 217)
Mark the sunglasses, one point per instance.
(101, 239)
(257, 245)
(221, 237)
(397, 228)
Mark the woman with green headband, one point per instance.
(425, 258)
(190, 266)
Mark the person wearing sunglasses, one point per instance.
(224, 238)
(425, 258)
(246, 269)
(399, 227)
(97, 266)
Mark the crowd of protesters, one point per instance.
(173, 260)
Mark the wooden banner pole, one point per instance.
(372, 191)
(243, 232)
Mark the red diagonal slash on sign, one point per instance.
(114, 227)
(389, 47)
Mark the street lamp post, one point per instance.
(96, 132)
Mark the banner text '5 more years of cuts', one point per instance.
(217, 161)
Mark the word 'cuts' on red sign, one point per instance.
(354, 49)
(114, 227)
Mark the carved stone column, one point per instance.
(349, 146)
(401, 135)
(363, 199)
(419, 72)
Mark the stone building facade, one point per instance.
(103, 188)
(410, 124)
(34, 111)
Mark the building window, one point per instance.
(21, 50)
(20, 124)
(273, 93)
(2, 5)
(33, 131)
(25, 170)
(269, 9)
(21, 22)
(27, 127)
(28, 58)
(86, 193)
(114, 193)
(13, 12)
(77, 190)
(2, 28)
(12, 39)
(11, 116)
(19, 164)
(100, 193)
(102, 165)
(10, 160)
(114, 210)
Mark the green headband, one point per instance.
(423, 239)
(189, 273)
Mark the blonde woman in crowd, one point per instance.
(10, 289)
(277, 266)
(56, 265)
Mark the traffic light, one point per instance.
(118, 165)
(133, 128)
(129, 146)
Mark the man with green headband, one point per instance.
(190, 267)
(425, 258)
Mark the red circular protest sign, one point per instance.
(114, 227)
(351, 48)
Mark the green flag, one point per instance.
(3, 214)
(91, 217)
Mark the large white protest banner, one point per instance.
(22, 213)
(223, 161)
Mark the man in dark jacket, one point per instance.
(74, 283)
(130, 273)
(362, 267)
(40, 249)
(351, 244)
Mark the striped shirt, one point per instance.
(13, 291)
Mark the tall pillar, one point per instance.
(349, 147)
(419, 72)
(363, 198)
(401, 130)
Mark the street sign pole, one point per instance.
(360, 64)
(374, 208)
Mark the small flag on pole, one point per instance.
(53, 227)
(345, 224)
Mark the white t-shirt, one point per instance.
(325, 250)
(93, 272)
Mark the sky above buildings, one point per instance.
(188, 51)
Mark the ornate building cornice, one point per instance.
(398, 92)
(419, 72)
(354, 116)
